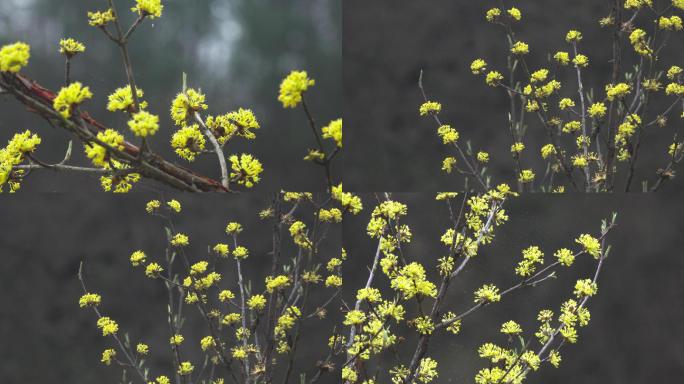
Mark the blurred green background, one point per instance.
(236, 51)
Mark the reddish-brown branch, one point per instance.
(39, 100)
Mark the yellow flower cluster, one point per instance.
(293, 87)
(188, 142)
(333, 131)
(245, 170)
(101, 18)
(144, 124)
(14, 57)
(430, 107)
(149, 8)
(69, 97)
(185, 105)
(13, 154)
(122, 99)
(528, 265)
(235, 123)
(70, 47)
(98, 154)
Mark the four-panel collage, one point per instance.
(177, 205)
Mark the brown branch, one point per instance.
(39, 100)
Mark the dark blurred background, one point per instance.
(385, 45)
(634, 335)
(236, 51)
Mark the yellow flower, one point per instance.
(185, 105)
(424, 325)
(597, 110)
(175, 205)
(292, 87)
(617, 91)
(488, 293)
(585, 288)
(226, 295)
(188, 142)
(333, 281)
(563, 58)
(245, 170)
(277, 283)
(678, 4)
(240, 252)
(14, 57)
(517, 147)
(448, 134)
(493, 14)
(674, 72)
(176, 339)
(98, 154)
(233, 228)
(565, 256)
(515, 14)
(239, 123)
(334, 131)
(674, 23)
(122, 99)
(89, 300)
(137, 258)
(511, 328)
(121, 184)
(493, 78)
(674, 89)
(207, 343)
(101, 18)
(150, 8)
(430, 107)
(185, 368)
(256, 302)
(636, 4)
(152, 206)
(478, 66)
(526, 176)
(520, 48)
(573, 36)
(70, 96)
(142, 349)
(222, 249)
(180, 240)
(108, 326)
(639, 41)
(483, 157)
(539, 75)
(153, 270)
(590, 244)
(108, 355)
(354, 317)
(70, 47)
(144, 124)
(448, 164)
(581, 60)
(566, 103)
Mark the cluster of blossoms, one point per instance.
(249, 320)
(589, 133)
(511, 364)
(232, 313)
(16, 151)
